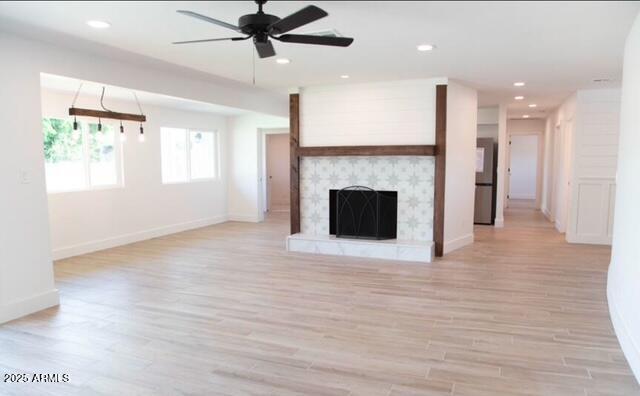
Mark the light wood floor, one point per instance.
(224, 310)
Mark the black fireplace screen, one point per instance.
(361, 212)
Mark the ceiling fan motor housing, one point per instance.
(256, 23)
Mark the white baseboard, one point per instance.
(589, 239)
(245, 218)
(18, 309)
(547, 214)
(499, 222)
(450, 246)
(107, 243)
(627, 343)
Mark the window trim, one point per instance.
(189, 179)
(86, 160)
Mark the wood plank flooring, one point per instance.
(224, 310)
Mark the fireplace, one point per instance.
(363, 213)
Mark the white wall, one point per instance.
(460, 179)
(580, 165)
(562, 122)
(547, 176)
(624, 273)
(595, 155)
(26, 274)
(246, 164)
(86, 221)
(382, 113)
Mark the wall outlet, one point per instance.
(24, 177)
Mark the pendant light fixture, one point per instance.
(106, 113)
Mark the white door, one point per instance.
(523, 167)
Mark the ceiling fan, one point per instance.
(261, 27)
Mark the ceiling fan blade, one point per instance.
(265, 50)
(317, 40)
(210, 20)
(208, 40)
(304, 16)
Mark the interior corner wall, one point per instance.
(501, 171)
(624, 272)
(562, 121)
(460, 174)
(26, 269)
(143, 207)
(245, 163)
(545, 205)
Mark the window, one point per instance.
(188, 155)
(80, 159)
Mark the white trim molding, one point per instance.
(245, 218)
(18, 309)
(627, 344)
(125, 239)
(455, 244)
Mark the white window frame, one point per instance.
(216, 153)
(86, 159)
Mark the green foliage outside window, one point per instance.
(61, 142)
(100, 142)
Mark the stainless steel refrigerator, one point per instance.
(486, 162)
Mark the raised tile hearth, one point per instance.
(392, 249)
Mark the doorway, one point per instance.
(277, 172)
(523, 170)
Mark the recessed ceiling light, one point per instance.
(533, 105)
(282, 61)
(99, 24)
(525, 116)
(518, 97)
(345, 76)
(518, 84)
(426, 47)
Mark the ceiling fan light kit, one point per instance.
(263, 28)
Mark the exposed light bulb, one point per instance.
(99, 24)
(123, 137)
(426, 47)
(141, 138)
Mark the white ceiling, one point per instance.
(91, 88)
(556, 47)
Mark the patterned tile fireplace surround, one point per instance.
(411, 176)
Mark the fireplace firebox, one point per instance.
(363, 213)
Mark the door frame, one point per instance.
(262, 168)
(539, 166)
